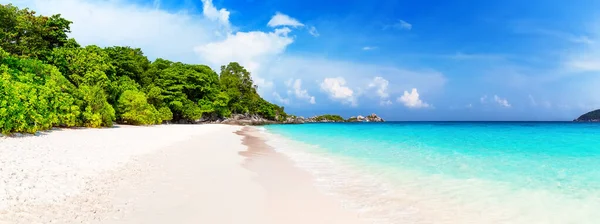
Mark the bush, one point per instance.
(136, 110)
(34, 96)
(165, 114)
(97, 111)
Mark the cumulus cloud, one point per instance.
(412, 100)
(280, 19)
(501, 101)
(381, 86)
(257, 46)
(205, 38)
(210, 38)
(124, 23)
(318, 68)
(296, 89)
(337, 90)
(212, 13)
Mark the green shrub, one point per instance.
(97, 111)
(136, 109)
(165, 114)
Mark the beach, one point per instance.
(157, 174)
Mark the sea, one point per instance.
(452, 172)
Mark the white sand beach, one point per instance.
(157, 174)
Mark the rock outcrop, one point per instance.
(592, 116)
(371, 118)
(246, 119)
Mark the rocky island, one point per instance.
(329, 118)
(592, 116)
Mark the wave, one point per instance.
(384, 194)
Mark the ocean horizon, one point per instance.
(452, 171)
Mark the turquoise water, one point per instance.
(454, 172)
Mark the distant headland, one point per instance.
(592, 116)
(241, 119)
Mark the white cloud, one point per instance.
(368, 48)
(212, 13)
(280, 19)
(296, 89)
(160, 33)
(355, 73)
(281, 99)
(412, 100)
(584, 63)
(381, 86)
(177, 36)
(400, 25)
(337, 90)
(501, 101)
(209, 38)
(403, 25)
(313, 31)
(258, 47)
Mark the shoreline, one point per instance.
(289, 188)
(209, 173)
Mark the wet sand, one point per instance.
(291, 194)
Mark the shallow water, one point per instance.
(453, 172)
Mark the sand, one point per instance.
(158, 174)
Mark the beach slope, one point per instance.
(158, 174)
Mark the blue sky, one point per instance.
(404, 60)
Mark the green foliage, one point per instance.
(329, 117)
(181, 87)
(128, 62)
(237, 84)
(97, 112)
(33, 96)
(165, 114)
(117, 87)
(24, 34)
(135, 109)
(590, 116)
(84, 66)
(48, 80)
(191, 111)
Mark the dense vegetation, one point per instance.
(329, 117)
(49, 80)
(590, 116)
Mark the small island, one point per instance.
(333, 118)
(592, 116)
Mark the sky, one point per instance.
(404, 60)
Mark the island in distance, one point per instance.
(242, 119)
(592, 116)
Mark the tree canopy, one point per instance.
(48, 80)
